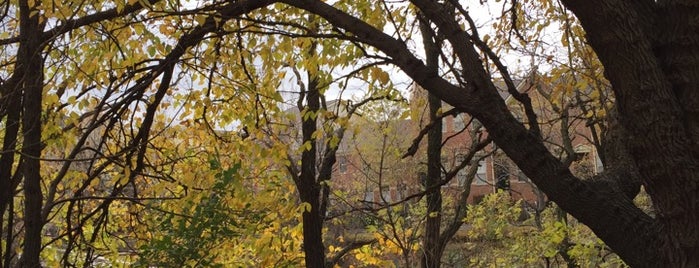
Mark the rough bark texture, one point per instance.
(650, 51)
(619, 164)
(307, 186)
(432, 254)
(21, 109)
(30, 60)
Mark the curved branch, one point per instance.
(615, 218)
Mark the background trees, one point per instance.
(87, 88)
(524, 145)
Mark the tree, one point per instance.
(383, 185)
(498, 235)
(80, 98)
(436, 237)
(322, 129)
(648, 50)
(641, 46)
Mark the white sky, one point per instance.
(484, 16)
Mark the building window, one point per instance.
(461, 177)
(342, 164)
(400, 191)
(501, 172)
(462, 174)
(369, 199)
(481, 178)
(369, 196)
(386, 196)
(503, 184)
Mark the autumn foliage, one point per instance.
(160, 133)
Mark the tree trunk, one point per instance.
(650, 51)
(312, 232)
(432, 253)
(30, 60)
(308, 187)
(12, 104)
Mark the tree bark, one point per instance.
(431, 246)
(12, 101)
(650, 50)
(633, 235)
(308, 188)
(432, 255)
(31, 62)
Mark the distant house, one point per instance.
(358, 170)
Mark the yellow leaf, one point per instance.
(306, 207)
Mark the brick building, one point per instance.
(366, 169)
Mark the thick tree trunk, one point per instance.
(624, 227)
(308, 187)
(12, 102)
(432, 253)
(11, 98)
(31, 61)
(312, 232)
(650, 51)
